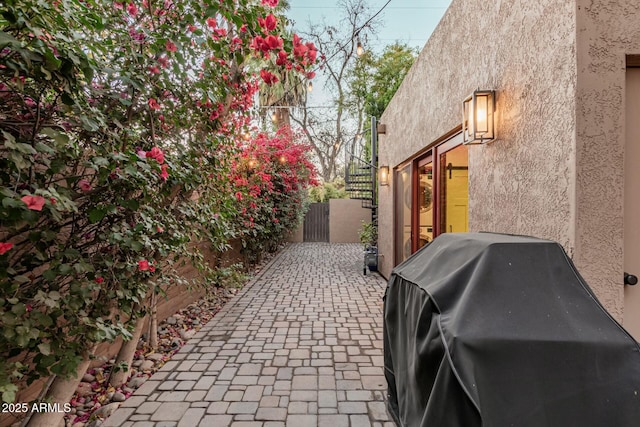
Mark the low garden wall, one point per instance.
(345, 222)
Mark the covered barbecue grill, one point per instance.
(495, 330)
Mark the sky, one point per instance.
(407, 21)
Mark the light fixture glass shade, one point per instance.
(359, 48)
(477, 117)
(383, 175)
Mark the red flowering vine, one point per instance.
(271, 176)
(97, 112)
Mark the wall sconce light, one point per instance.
(477, 117)
(359, 48)
(383, 175)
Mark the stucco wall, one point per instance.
(607, 31)
(522, 182)
(297, 235)
(345, 220)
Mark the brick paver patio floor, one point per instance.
(301, 345)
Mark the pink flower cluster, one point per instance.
(268, 77)
(170, 46)
(269, 23)
(5, 247)
(143, 265)
(153, 104)
(265, 44)
(84, 185)
(270, 167)
(158, 155)
(306, 52)
(155, 153)
(35, 203)
(132, 9)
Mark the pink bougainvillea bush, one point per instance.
(118, 147)
(270, 179)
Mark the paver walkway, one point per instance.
(301, 345)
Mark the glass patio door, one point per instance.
(453, 189)
(431, 196)
(424, 210)
(403, 216)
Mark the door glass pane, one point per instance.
(425, 204)
(403, 213)
(454, 190)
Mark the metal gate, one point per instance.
(316, 223)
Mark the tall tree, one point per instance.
(374, 81)
(386, 74)
(329, 131)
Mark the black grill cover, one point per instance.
(496, 331)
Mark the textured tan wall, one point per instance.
(345, 220)
(608, 30)
(522, 182)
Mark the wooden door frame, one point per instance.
(440, 150)
(415, 198)
(433, 155)
(631, 298)
(398, 213)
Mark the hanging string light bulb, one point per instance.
(310, 86)
(359, 48)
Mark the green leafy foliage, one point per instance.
(328, 190)
(368, 234)
(376, 78)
